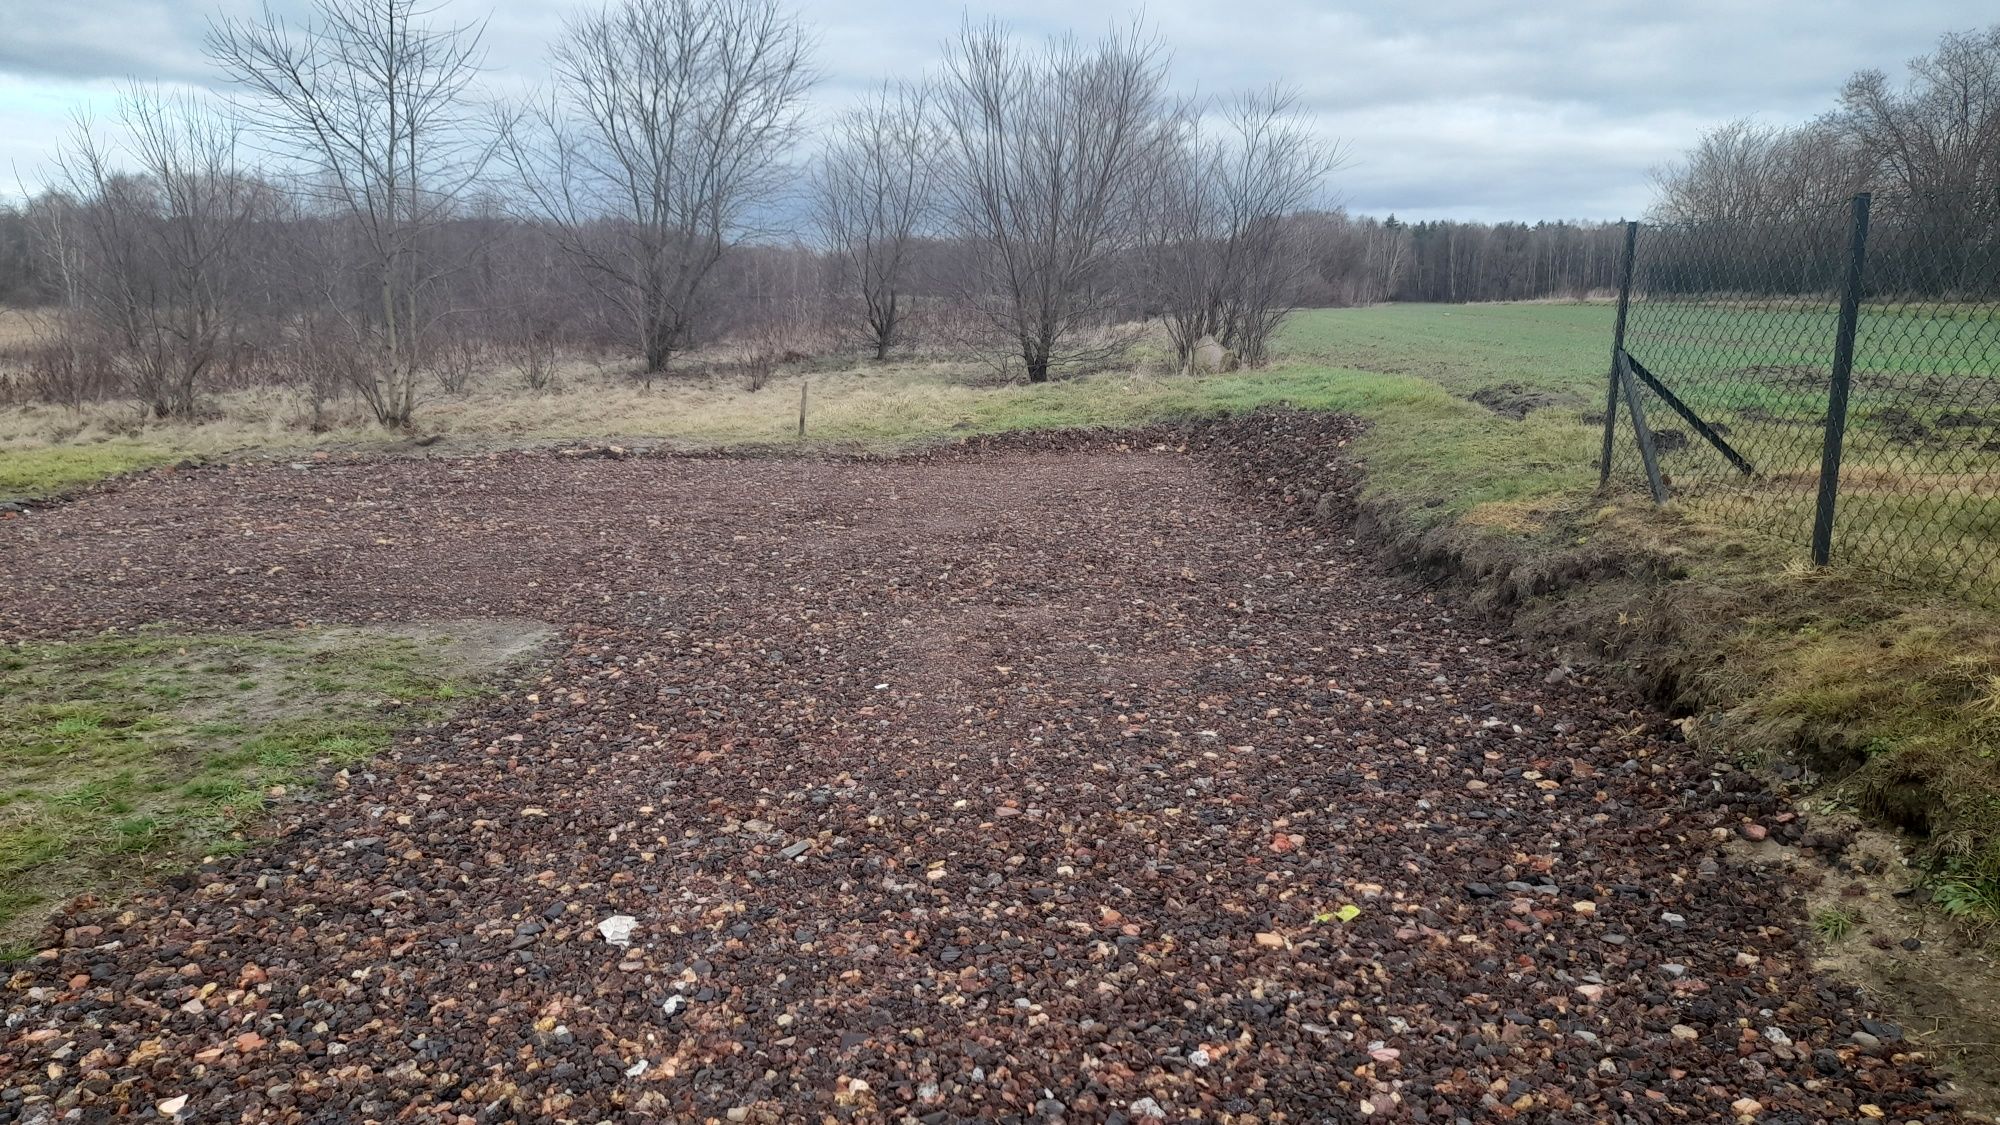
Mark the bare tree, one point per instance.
(874, 191)
(1934, 147)
(1047, 183)
(1273, 165)
(1934, 143)
(59, 371)
(1222, 259)
(664, 136)
(155, 272)
(1741, 170)
(1385, 256)
(371, 106)
(1940, 134)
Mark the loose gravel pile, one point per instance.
(1032, 780)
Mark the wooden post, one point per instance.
(803, 385)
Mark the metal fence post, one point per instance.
(1617, 348)
(1843, 371)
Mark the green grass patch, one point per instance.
(1966, 891)
(126, 754)
(1835, 924)
(52, 470)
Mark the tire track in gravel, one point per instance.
(1025, 785)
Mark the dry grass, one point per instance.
(864, 403)
(1525, 516)
(19, 326)
(47, 449)
(853, 404)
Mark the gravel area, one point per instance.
(1038, 779)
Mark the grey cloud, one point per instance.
(1461, 107)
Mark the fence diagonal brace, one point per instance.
(1647, 453)
(1681, 408)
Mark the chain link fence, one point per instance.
(1831, 377)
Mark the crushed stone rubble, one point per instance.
(1064, 777)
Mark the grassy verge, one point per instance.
(128, 754)
(1425, 357)
(1887, 693)
(1886, 687)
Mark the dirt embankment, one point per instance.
(1622, 607)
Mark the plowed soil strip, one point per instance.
(1011, 785)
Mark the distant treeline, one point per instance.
(21, 283)
(1366, 260)
(1357, 260)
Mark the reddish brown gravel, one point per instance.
(1029, 781)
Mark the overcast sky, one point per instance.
(1448, 108)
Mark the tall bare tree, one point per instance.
(1050, 152)
(664, 136)
(1742, 170)
(1932, 144)
(155, 274)
(371, 106)
(874, 192)
(1223, 261)
(1940, 133)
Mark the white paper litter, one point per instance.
(617, 929)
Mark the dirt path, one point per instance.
(1011, 785)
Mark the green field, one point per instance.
(1921, 467)
(1557, 348)
(1920, 493)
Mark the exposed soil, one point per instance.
(1029, 780)
(1901, 426)
(1669, 440)
(1888, 943)
(1513, 400)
